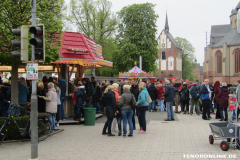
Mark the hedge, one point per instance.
(13, 132)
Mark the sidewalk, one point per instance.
(163, 141)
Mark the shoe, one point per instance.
(134, 128)
(57, 124)
(130, 136)
(187, 112)
(190, 114)
(111, 135)
(221, 119)
(144, 132)
(226, 120)
(209, 117)
(119, 134)
(184, 112)
(206, 119)
(231, 121)
(140, 131)
(167, 119)
(198, 114)
(124, 136)
(173, 119)
(103, 133)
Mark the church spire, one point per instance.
(166, 24)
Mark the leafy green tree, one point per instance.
(95, 19)
(15, 13)
(136, 36)
(188, 58)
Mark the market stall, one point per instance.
(80, 52)
(136, 73)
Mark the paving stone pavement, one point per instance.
(163, 141)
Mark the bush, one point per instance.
(13, 132)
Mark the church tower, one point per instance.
(170, 55)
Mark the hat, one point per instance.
(231, 95)
(5, 81)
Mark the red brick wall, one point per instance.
(169, 52)
(197, 71)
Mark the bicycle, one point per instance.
(44, 126)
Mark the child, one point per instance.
(119, 117)
(232, 106)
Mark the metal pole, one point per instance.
(93, 72)
(33, 122)
(140, 61)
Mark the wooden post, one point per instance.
(58, 70)
(82, 72)
(71, 71)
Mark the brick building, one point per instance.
(222, 55)
(170, 55)
(198, 71)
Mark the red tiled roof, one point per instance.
(78, 41)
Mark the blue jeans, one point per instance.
(52, 120)
(96, 105)
(108, 126)
(142, 120)
(160, 104)
(170, 114)
(61, 111)
(119, 120)
(226, 113)
(233, 115)
(151, 106)
(127, 116)
(87, 104)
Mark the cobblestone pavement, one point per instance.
(163, 141)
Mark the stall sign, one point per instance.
(84, 62)
(9, 68)
(77, 50)
(32, 71)
(99, 49)
(46, 68)
(54, 71)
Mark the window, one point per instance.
(163, 55)
(219, 61)
(237, 60)
(171, 64)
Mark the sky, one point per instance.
(189, 19)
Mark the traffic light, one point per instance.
(23, 43)
(38, 41)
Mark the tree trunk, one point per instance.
(14, 83)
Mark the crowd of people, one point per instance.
(122, 100)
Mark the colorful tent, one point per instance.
(135, 72)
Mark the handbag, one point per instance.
(149, 99)
(132, 102)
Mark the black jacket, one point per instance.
(135, 91)
(41, 101)
(5, 87)
(2, 97)
(109, 101)
(152, 90)
(169, 93)
(184, 94)
(97, 93)
(62, 86)
(87, 89)
(79, 93)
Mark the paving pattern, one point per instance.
(163, 141)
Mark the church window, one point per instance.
(237, 60)
(219, 61)
(163, 55)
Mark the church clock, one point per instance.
(163, 45)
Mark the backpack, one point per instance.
(183, 96)
(197, 93)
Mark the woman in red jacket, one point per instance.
(217, 89)
(160, 97)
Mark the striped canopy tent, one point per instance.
(135, 72)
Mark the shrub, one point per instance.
(13, 132)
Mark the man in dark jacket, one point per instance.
(194, 100)
(62, 86)
(152, 90)
(135, 91)
(169, 98)
(41, 91)
(206, 96)
(87, 88)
